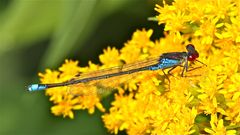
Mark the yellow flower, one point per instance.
(110, 57)
(67, 99)
(217, 127)
(137, 48)
(65, 106)
(49, 76)
(68, 69)
(147, 102)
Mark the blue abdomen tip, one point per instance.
(35, 87)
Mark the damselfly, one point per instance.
(165, 61)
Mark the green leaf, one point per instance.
(25, 22)
(79, 19)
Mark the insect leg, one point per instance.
(166, 77)
(194, 68)
(169, 71)
(202, 63)
(185, 67)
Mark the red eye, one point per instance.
(193, 56)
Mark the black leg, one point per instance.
(192, 75)
(194, 68)
(202, 63)
(183, 71)
(171, 70)
(185, 67)
(167, 78)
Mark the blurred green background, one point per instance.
(40, 34)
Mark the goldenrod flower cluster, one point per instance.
(205, 101)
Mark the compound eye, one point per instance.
(193, 56)
(190, 48)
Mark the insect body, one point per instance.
(164, 61)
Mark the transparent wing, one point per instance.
(123, 68)
(101, 86)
